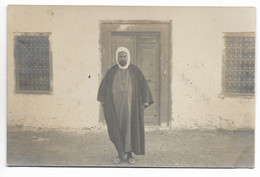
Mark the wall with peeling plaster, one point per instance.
(197, 44)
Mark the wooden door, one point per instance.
(148, 53)
(144, 48)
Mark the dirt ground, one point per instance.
(163, 148)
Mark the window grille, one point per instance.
(33, 63)
(239, 64)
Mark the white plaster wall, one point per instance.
(196, 65)
(197, 69)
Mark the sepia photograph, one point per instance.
(131, 86)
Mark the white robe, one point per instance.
(122, 100)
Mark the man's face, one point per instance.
(122, 58)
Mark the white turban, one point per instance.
(123, 49)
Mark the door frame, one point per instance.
(164, 28)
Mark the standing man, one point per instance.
(124, 94)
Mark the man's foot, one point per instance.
(131, 160)
(117, 160)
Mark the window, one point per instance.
(239, 64)
(33, 63)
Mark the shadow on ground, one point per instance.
(163, 149)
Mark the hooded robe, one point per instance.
(124, 114)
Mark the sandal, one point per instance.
(117, 160)
(131, 160)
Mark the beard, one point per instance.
(122, 63)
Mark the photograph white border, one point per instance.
(68, 172)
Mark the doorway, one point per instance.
(144, 48)
(148, 44)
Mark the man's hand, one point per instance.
(146, 105)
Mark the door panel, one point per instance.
(144, 50)
(148, 62)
